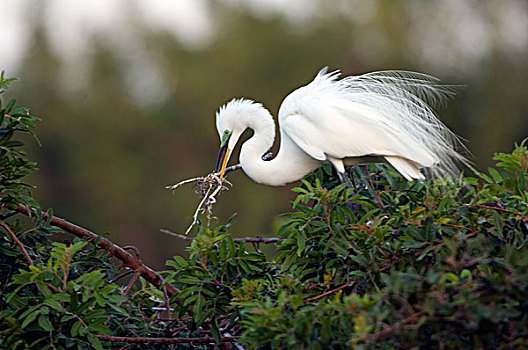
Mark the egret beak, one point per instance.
(223, 155)
(224, 163)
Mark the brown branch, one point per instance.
(177, 235)
(128, 259)
(164, 340)
(473, 233)
(167, 302)
(329, 292)
(494, 208)
(376, 194)
(377, 336)
(130, 284)
(8, 229)
(257, 239)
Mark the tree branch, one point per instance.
(128, 259)
(257, 239)
(329, 292)
(164, 340)
(384, 333)
(483, 206)
(8, 229)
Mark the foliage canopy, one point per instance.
(390, 264)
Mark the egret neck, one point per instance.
(290, 164)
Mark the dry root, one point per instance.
(208, 187)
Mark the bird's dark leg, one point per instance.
(344, 179)
(354, 207)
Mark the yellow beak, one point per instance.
(224, 164)
(223, 154)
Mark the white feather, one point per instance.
(372, 117)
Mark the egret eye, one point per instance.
(225, 136)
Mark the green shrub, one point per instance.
(392, 264)
(436, 265)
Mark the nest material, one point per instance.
(208, 187)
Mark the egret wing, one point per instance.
(344, 129)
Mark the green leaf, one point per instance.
(299, 190)
(96, 343)
(178, 262)
(30, 318)
(413, 244)
(499, 223)
(10, 105)
(45, 323)
(198, 308)
(93, 314)
(301, 242)
(495, 175)
(360, 259)
(230, 246)
(76, 329)
(189, 280)
(296, 301)
(10, 144)
(215, 331)
(99, 328)
(452, 277)
(118, 309)
(485, 177)
(54, 304)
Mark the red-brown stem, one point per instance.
(128, 259)
(8, 229)
(327, 292)
(378, 198)
(494, 208)
(131, 284)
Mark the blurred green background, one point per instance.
(127, 92)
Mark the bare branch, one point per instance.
(257, 239)
(329, 292)
(8, 229)
(128, 259)
(177, 235)
(131, 284)
(491, 207)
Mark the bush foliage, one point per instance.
(389, 264)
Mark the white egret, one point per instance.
(376, 117)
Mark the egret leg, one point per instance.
(339, 166)
(344, 179)
(341, 173)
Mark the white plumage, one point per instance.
(376, 117)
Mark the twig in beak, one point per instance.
(208, 187)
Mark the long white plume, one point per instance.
(404, 100)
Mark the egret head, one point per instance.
(232, 120)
